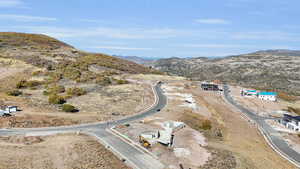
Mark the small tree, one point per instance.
(69, 108)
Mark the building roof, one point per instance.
(251, 91)
(291, 117)
(268, 93)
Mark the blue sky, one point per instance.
(159, 28)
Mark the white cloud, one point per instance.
(25, 18)
(120, 48)
(216, 46)
(212, 21)
(90, 20)
(106, 32)
(10, 3)
(266, 35)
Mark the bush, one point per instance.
(46, 93)
(76, 91)
(14, 93)
(120, 81)
(103, 80)
(69, 108)
(206, 125)
(25, 84)
(55, 89)
(21, 84)
(37, 73)
(33, 83)
(55, 99)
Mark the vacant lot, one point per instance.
(60, 152)
(98, 103)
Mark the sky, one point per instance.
(159, 28)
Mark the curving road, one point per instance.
(132, 154)
(271, 135)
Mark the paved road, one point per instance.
(134, 156)
(271, 135)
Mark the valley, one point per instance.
(91, 108)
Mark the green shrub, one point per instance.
(69, 108)
(33, 83)
(14, 93)
(120, 81)
(75, 91)
(103, 80)
(46, 93)
(30, 84)
(72, 73)
(21, 84)
(56, 99)
(55, 89)
(36, 73)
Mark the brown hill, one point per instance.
(44, 51)
(272, 69)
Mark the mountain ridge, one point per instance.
(271, 69)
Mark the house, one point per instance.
(164, 137)
(7, 110)
(291, 122)
(209, 86)
(11, 109)
(249, 93)
(2, 113)
(271, 96)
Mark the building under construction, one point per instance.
(210, 87)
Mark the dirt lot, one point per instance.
(60, 152)
(231, 141)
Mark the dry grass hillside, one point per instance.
(52, 81)
(274, 69)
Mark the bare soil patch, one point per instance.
(60, 152)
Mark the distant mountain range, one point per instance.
(270, 69)
(136, 59)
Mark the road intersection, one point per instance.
(129, 153)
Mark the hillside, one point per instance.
(271, 69)
(51, 80)
(47, 52)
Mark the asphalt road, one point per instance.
(134, 156)
(272, 136)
